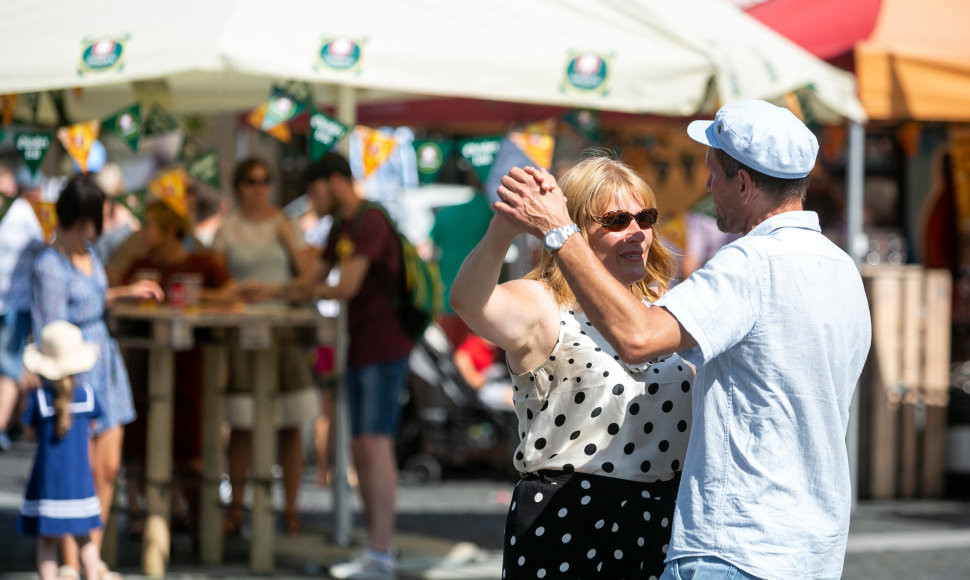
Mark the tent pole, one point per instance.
(346, 114)
(856, 245)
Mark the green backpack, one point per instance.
(421, 302)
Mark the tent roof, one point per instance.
(916, 64)
(667, 57)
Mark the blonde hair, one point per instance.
(589, 187)
(63, 397)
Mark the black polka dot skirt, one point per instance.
(575, 525)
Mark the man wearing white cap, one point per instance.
(778, 323)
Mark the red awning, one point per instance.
(826, 28)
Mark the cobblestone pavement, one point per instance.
(453, 530)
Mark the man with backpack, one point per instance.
(364, 245)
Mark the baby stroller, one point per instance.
(445, 424)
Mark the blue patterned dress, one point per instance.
(60, 498)
(60, 292)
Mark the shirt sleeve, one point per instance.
(719, 304)
(48, 291)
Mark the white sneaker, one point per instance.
(364, 566)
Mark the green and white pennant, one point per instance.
(135, 202)
(282, 107)
(431, 155)
(32, 148)
(324, 132)
(126, 124)
(205, 168)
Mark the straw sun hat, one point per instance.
(61, 352)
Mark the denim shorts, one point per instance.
(703, 568)
(374, 393)
(14, 328)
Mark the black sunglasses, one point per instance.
(617, 221)
(252, 181)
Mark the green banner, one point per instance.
(135, 202)
(126, 124)
(281, 108)
(158, 121)
(5, 203)
(32, 148)
(324, 132)
(2, 135)
(481, 154)
(431, 156)
(205, 168)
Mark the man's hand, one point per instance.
(531, 198)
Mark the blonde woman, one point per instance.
(602, 442)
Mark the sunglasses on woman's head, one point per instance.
(617, 221)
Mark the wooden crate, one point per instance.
(903, 392)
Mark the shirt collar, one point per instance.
(790, 219)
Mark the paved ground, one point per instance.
(453, 530)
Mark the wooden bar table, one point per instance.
(163, 331)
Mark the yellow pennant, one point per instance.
(77, 140)
(281, 132)
(46, 216)
(7, 103)
(536, 146)
(170, 188)
(377, 147)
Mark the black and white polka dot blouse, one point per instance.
(584, 411)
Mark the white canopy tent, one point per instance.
(667, 57)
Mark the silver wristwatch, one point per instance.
(555, 238)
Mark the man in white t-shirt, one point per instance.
(780, 323)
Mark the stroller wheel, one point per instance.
(423, 468)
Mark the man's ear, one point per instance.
(746, 189)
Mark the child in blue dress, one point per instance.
(60, 499)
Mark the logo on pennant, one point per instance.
(340, 54)
(281, 108)
(324, 132)
(100, 55)
(170, 188)
(126, 123)
(588, 72)
(46, 217)
(431, 157)
(32, 148)
(377, 148)
(481, 153)
(77, 140)
(205, 168)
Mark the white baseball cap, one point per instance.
(762, 136)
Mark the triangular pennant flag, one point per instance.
(280, 132)
(302, 91)
(32, 148)
(158, 121)
(126, 123)
(431, 155)
(585, 122)
(536, 146)
(7, 103)
(481, 154)
(205, 168)
(77, 140)
(377, 147)
(281, 108)
(2, 135)
(324, 132)
(46, 216)
(170, 188)
(135, 202)
(5, 203)
(190, 149)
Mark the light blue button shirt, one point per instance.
(783, 330)
(20, 239)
